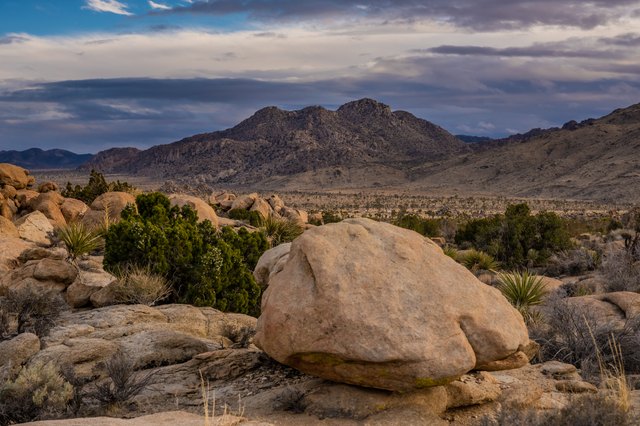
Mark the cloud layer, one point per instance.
(109, 6)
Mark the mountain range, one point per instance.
(38, 159)
(364, 144)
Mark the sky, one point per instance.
(88, 75)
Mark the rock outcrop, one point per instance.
(204, 210)
(371, 304)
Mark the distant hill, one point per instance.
(36, 158)
(595, 159)
(361, 143)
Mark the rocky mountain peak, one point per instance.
(364, 107)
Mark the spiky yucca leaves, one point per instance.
(451, 251)
(523, 290)
(280, 230)
(476, 260)
(79, 239)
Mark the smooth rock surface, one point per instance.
(15, 176)
(35, 227)
(371, 304)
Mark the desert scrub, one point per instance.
(475, 260)
(38, 392)
(523, 290)
(122, 384)
(79, 239)
(451, 251)
(96, 186)
(204, 267)
(26, 310)
(280, 230)
(138, 285)
(423, 226)
(591, 410)
(253, 218)
(517, 238)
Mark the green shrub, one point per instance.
(331, 217)
(517, 238)
(204, 268)
(426, 227)
(79, 239)
(523, 290)
(96, 186)
(253, 218)
(39, 391)
(280, 231)
(451, 251)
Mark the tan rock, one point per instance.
(575, 386)
(9, 192)
(55, 270)
(79, 293)
(106, 296)
(35, 227)
(204, 210)
(8, 229)
(244, 202)
(610, 309)
(16, 352)
(73, 210)
(49, 203)
(295, 215)
(86, 355)
(270, 263)
(5, 210)
(262, 207)
(472, 389)
(15, 176)
(47, 187)
(276, 203)
(24, 196)
(107, 206)
(10, 250)
(372, 304)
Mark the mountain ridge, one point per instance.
(38, 159)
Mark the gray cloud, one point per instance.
(475, 14)
(535, 51)
(10, 39)
(626, 40)
(90, 115)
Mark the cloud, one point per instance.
(13, 38)
(535, 51)
(158, 6)
(109, 6)
(473, 14)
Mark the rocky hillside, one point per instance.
(363, 135)
(36, 158)
(595, 159)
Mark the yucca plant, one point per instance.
(523, 290)
(279, 230)
(451, 251)
(476, 260)
(79, 239)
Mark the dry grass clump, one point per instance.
(138, 285)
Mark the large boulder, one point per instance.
(73, 209)
(371, 304)
(262, 207)
(46, 275)
(49, 204)
(107, 206)
(244, 202)
(15, 176)
(35, 227)
(204, 210)
(270, 263)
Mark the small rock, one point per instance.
(35, 227)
